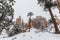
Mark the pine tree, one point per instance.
(30, 14)
(6, 13)
(48, 4)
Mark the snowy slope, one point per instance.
(33, 35)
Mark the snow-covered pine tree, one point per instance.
(6, 13)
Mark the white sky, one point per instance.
(22, 7)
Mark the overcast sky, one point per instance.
(22, 7)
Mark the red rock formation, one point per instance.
(58, 6)
(58, 22)
(18, 20)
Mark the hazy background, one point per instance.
(22, 7)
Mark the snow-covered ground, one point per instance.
(34, 34)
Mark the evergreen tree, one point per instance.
(30, 14)
(48, 4)
(6, 13)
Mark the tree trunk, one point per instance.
(29, 23)
(54, 21)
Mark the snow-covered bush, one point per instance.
(51, 28)
(14, 29)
